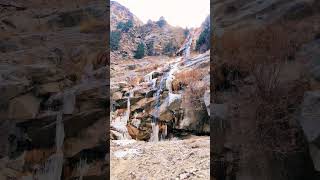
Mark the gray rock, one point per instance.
(219, 111)
(311, 53)
(310, 116)
(315, 156)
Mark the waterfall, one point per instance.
(154, 83)
(128, 106)
(52, 169)
(82, 168)
(148, 77)
(154, 124)
(69, 101)
(155, 132)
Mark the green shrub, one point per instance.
(150, 48)
(169, 49)
(186, 32)
(161, 22)
(115, 37)
(203, 43)
(125, 27)
(139, 53)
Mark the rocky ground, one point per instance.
(172, 159)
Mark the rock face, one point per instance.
(43, 73)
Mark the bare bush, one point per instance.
(193, 96)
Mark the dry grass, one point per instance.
(148, 69)
(193, 95)
(185, 78)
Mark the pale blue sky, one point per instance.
(183, 13)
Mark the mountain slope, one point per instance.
(158, 37)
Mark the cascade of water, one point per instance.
(154, 83)
(52, 169)
(155, 132)
(155, 127)
(69, 101)
(83, 168)
(131, 93)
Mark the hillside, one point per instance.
(128, 31)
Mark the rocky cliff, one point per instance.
(264, 85)
(53, 89)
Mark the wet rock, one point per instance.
(24, 107)
(146, 104)
(87, 138)
(122, 103)
(150, 93)
(173, 102)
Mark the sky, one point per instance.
(183, 13)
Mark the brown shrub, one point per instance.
(186, 77)
(193, 96)
(262, 53)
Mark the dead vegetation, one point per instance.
(261, 55)
(185, 79)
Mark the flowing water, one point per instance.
(82, 168)
(52, 169)
(166, 81)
